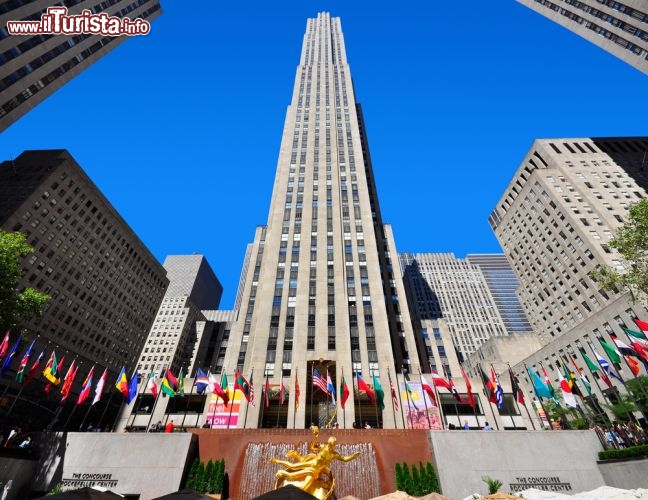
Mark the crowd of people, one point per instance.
(618, 436)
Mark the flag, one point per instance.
(428, 389)
(539, 386)
(34, 368)
(611, 351)
(581, 374)
(408, 390)
(318, 381)
(267, 390)
(122, 382)
(471, 398)
(282, 393)
(169, 383)
(330, 387)
(622, 347)
(380, 394)
(297, 393)
(439, 381)
(181, 384)
(568, 396)
(605, 365)
(571, 380)
(394, 394)
(218, 389)
(10, 356)
(86, 387)
(488, 386)
(68, 380)
(455, 392)
(4, 347)
(201, 382)
(633, 365)
(515, 388)
(344, 392)
(151, 385)
(245, 387)
(637, 337)
(499, 392)
(362, 386)
(594, 368)
(49, 372)
(132, 387)
(100, 386)
(548, 382)
(643, 326)
(23, 362)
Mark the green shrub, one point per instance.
(631, 452)
(421, 481)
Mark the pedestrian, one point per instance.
(466, 425)
(367, 426)
(169, 426)
(26, 443)
(487, 426)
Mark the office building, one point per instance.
(503, 284)
(322, 290)
(105, 285)
(173, 340)
(554, 222)
(34, 67)
(440, 285)
(620, 28)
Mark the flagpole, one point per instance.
(539, 398)
(516, 400)
(22, 386)
(628, 414)
(187, 405)
(159, 393)
(295, 404)
(604, 415)
(340, 396)
(641, 358)
(359, 406)
(400, 400)
(376, 398)
(138, 402)
(312, 391)
(427, 413)
(392, 398)
(409, 407)
(231, 404)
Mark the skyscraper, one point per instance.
(105, 285)
(322, 290)
(620, 28)
(441, 286)
(503, 284)
(33, 67)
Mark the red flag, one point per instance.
(87, 386)
(429, 390)
(643, 326)
(394, 394)
(439, 381)
(34, 368)
(471, 398)
(455, 392)
(344, 392)
(267, 390)
(4, 347)
(362, 386)
(282, 393)
(296, 393)
(68, 381)
(633, 365)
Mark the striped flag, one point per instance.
(319, 382)
(394, 394)
(86, 387)
(330, 387)
(23, 362)
(100, 386)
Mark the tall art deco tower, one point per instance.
(323, 289)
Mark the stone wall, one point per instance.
(626, 474)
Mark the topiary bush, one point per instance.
(631, 452)
(420, 481)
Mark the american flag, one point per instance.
(318, 381)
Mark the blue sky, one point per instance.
(181, 128)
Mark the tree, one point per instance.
(623, 408)
(631, 241)
(494, 485)
(639, 389)
(16, 306)
(400, 481)
(432, 478)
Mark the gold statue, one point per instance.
(311, 473)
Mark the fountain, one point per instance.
(359, 477)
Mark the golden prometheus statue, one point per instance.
(311, 473)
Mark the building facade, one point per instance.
(620, 28)
(34, 67)
(105, 285)
(503, 284)
(322, 291)
(439, 285)
(554, 223)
